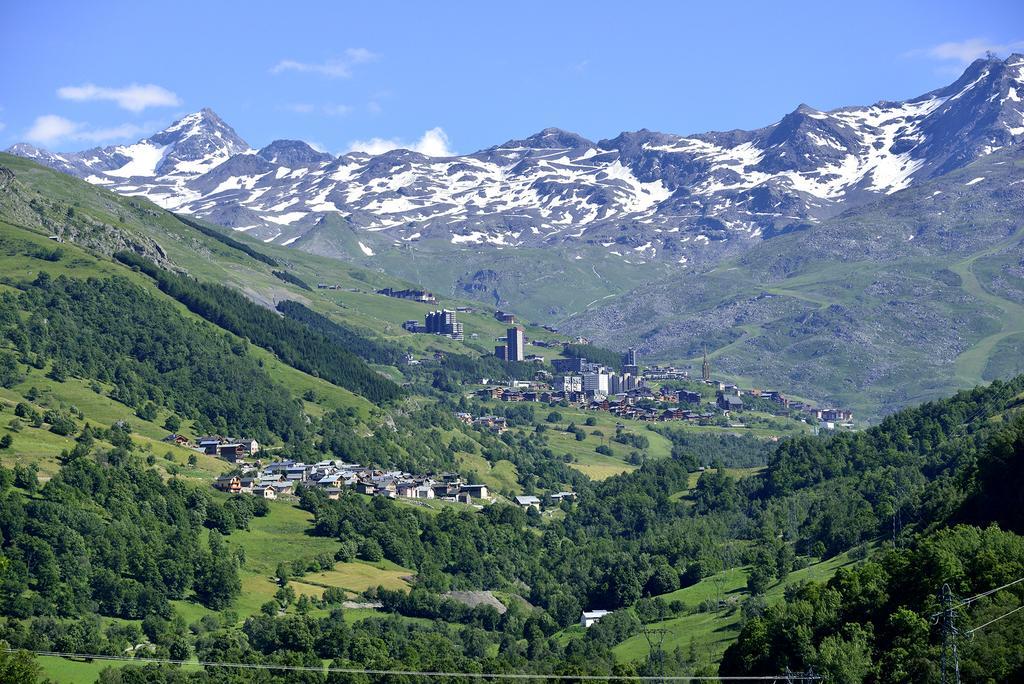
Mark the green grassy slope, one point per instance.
(598, 466)
(710, 633)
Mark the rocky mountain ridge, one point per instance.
(641, 196)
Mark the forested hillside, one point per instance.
(113, 331)
(624, 545)
(880, 621)
(296, 344)
(824, 552)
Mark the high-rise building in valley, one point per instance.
(595, 383)
(570, 365)
(444, 322)
(515, 340)
(568, 383)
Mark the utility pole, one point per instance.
(897, 516)
(950, 656)
(655, 638)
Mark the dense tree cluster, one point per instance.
(594, 354)
(452, 372)
(290, 277)
(714, 448)
(359, 344)
(294, 343)
(107, 535)
(113, 331)
(871, 621)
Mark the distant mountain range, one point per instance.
(870, 256)
(680, 198)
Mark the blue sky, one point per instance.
(461, 76)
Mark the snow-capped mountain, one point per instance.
(662, 196)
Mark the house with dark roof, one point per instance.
(730, 402)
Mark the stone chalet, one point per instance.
(730, 402)
(229, 449)
(228, 483)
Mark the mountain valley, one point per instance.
(802, 254)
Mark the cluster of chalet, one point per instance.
(634, 403)
(230, 449)
(729, 397)
(495, 424)
(665, 373)
(332, 476)
(623, 405)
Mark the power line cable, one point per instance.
(983, 594)
(971, 632)
(416, 673)
(972, 599)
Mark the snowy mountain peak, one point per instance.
(27, 150)
(196, 143)
(666, 196)
(293, 154)
(551, 138)
(202, 123)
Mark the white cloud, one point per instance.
(134, 97)
(326, 110)
(2, 125)
(336, 67)
(360, 55)
(433, 143)
(50, 129)
(967, 51)
(337, 109)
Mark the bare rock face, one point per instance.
(61, 221)
(477, 598)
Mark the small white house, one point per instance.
(526, 502)
(589, 617)
(264, 492)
